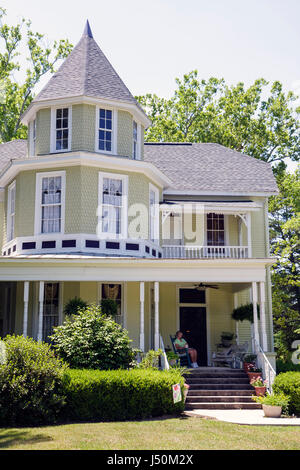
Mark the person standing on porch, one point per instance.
(180, 343)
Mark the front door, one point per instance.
(193, 327)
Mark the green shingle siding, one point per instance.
(43, 125)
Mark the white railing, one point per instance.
(264, 364)
(196, 252)
(164, 360)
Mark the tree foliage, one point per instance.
(16, 95)
(285, 246)
(260, 120)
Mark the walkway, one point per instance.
(251, 417)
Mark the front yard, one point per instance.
(156, 434)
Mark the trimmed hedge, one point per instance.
(118, 395)
(286, 366)
(289, 384)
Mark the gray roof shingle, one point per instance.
(210, 167)
(14, 149)
(86, 71)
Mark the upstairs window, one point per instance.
(50, 203)
(135, 141)
(11, 204)
(113, 205)
(105, 130)
(215, 230)
(62, 131)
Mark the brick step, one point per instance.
(210, 386)
(221, 381)
(219, 399)
(203, 375)
(222, 393)
(223, 406)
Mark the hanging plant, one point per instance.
(244, 312)
(109, 307)
(73, 305)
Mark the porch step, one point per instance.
(219, 388)
(218, 380)
(219, 399)
(223, 406)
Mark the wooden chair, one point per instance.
(183, 354)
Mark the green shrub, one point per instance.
(274, 400)
(31, 383)
(91, 340)
(288, 383)
(120, 394)
(286, 366)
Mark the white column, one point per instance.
(249, 238)
(142, 316)
(263, 315)
(25, 314)
(255, 318)
(235, 305)
(41, 310)
(156, 315)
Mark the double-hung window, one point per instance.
(62, 129)
(11, 205)
(105, 129)
(113, 205)
(50, 202)
(135, 141)
(153, 213)
(215, 229)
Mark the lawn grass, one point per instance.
(159, 434)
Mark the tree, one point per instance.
(285, 246)
(260, 120)
(16, 95)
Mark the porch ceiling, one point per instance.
(64, 268)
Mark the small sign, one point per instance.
(177, 397)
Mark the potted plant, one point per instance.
(253, 372)
(186, 390)
(172, 358)
(244, 312)
(273, 405)
(249, 361)
(260, 386)
(74, 305)
(226, 338)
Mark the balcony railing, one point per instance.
(196, 252)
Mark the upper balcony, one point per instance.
(208, 252)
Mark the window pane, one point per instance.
(190, 296)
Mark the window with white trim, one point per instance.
(114, 292)
(113, 204)
(135, 140)
(62, 130)
(50, 201)
(215, 229)
(105, 130)
(11, 207)
(153, 213)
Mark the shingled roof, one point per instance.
(14, 149)
(210, 167)
(86, 71)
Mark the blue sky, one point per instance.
(150, 42)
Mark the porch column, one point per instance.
(235, 305)
(41, 311)
(255, 318)
(249, 238)
(263, 315)
(142, 316)
(156, 315)
(25, 314)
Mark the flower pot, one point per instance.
(226, 343)
(260, 391)
(271, 411)
(253, 375)
(247, 365)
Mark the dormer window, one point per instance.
(105, 130)
(61, 130)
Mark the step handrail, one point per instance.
(268, 371)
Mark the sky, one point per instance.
(150, 42)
